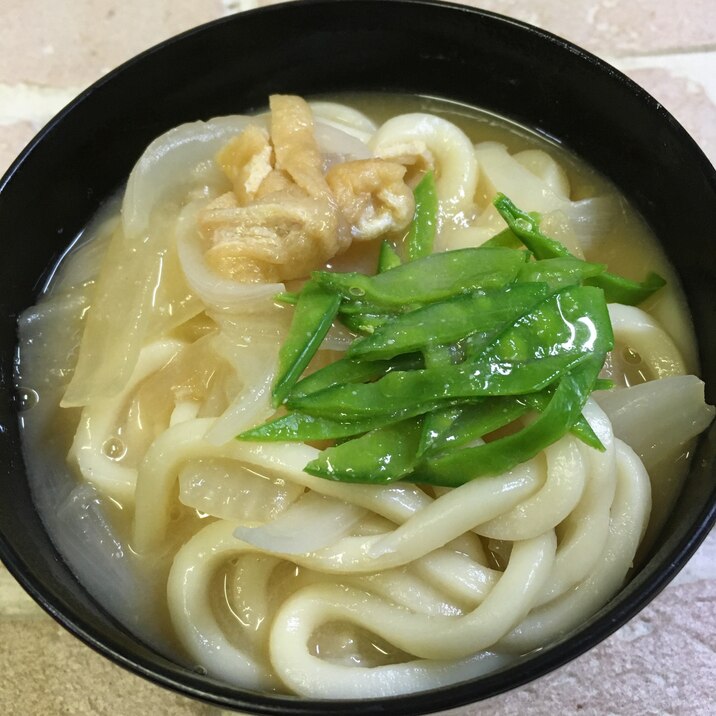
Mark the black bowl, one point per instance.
(230, 66)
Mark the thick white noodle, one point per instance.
(193, 619)
(456, 169)
(628, 519)
(566, 477)
(584, 533)
(637, 330)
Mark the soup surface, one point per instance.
(299, 558)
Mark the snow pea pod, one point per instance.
(506, 238)
(347, 371)
(537, 349)
(314, 313)
(435, 425)
(428, 279)
(357, 316)
(617, 288)
(454, 468)
(437, 420)
(439, 355)
(580, 429)
(449, 321)
(363, 322)
(421, 235)
(435, 387)
(379, 457)
(559, 272)
(477, 420)
(296, 426)
(388, 257)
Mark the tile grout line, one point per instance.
(687, 50)
(36, 104)
(695, 67)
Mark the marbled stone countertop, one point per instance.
(664, 661)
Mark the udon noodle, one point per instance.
(158, 341)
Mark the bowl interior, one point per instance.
(231, 66)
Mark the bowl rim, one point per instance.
(601, 625)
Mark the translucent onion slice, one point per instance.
(231, 490)
(338, 145)
(345, 118)
(502, 172)
(656, 418)
(171, 160)
(587, 219)
(311, 523)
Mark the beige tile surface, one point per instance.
(664, 662)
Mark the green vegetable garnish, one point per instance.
(315, 310)
(455, 346)
(387, 258)
(449, 321)
(428, 279)
(532, 353)
(454, 468)
(617, 289)
(425, 223)
(379, 457)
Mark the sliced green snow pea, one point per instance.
(449, 321)
(296, 426)
(616, 288)
(347, 371)
(540, 347)
(428, 279)
(475, 421)
(456, 467)
(314, 313)
(560, 272)
(388, 257)
(421, 236)
(379, 457)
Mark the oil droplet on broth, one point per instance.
(27, 398)
(114, 448)
(631, 356)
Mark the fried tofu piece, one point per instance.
(372, 195)
(247, 160)
(278, 238)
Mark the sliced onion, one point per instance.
(656, 418)
(171, 160)
(345, 118)
(337, 145)
(313, 522)
(230, 490)
(588, 219)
